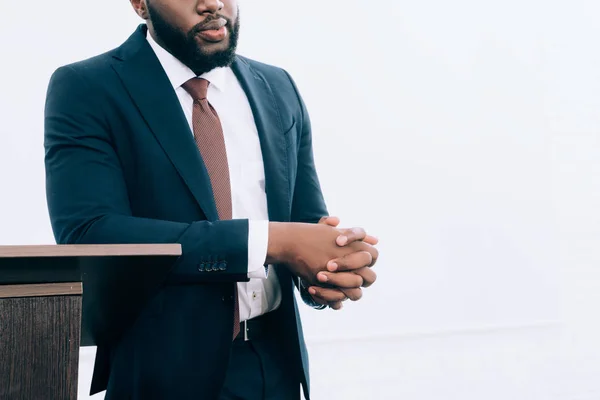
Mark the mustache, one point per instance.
(202, 25)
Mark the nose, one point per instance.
(209, 6)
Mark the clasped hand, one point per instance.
(344, 276)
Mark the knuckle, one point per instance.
(372, 278)
(357, 246)
(375, 253)
(358, 281)
(355, 294)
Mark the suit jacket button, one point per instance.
(201, 267)
(222, 266)
(227, 299)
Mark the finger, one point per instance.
(342, 280)
(337, 305)
(319, 300)
(327, 295)
(350, 262)
(368, 275)
(372, 240)
(350, 236)
(331, 221)
(353, 294)
(371, 249)
(374, 254)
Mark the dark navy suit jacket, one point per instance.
(122, 167)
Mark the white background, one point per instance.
(465, 134)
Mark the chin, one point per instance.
(205, 47)
(212, 48)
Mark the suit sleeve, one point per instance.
(88, 198)
(308, 204)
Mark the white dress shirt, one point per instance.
(246, 172)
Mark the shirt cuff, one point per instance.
(258, 243)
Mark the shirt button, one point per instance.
(253, 295)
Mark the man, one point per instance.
(173, 138)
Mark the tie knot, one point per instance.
(197, 88)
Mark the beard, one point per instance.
(184, 47)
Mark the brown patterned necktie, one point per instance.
(208, 134)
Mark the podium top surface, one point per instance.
(92, 250)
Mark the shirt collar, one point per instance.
(178, 73)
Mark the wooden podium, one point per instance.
(54, 299)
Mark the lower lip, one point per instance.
(214, 35)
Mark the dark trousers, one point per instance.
(258, 371)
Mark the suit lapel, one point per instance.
(154, 96)
(272, 139)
